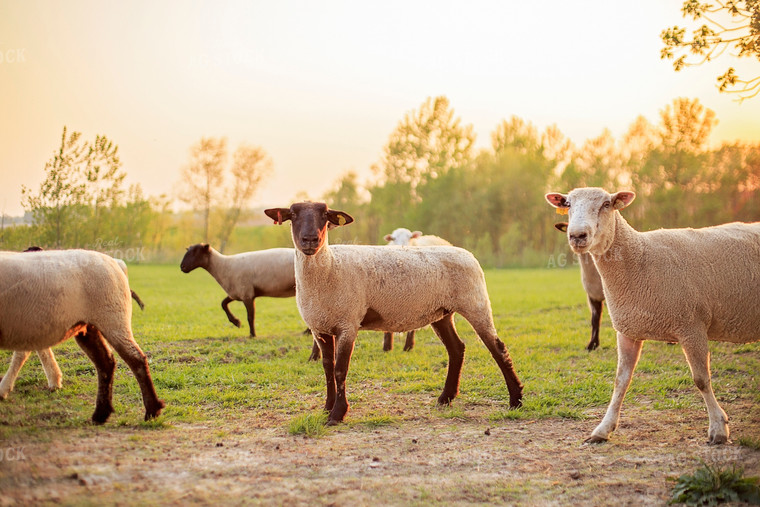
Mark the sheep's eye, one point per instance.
(606, 205)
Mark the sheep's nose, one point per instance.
(309, 239)
(578, 236)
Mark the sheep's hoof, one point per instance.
(407, 348)
(717, 440)
(154, 412)
(236, 322)
(332, 422)
(595, 439)
(102, 414)
(515, 403)
(592, 346)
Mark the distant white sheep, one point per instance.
(49, 297)
(687, 285)
(405, 237)
(344, 288)
(592, 284)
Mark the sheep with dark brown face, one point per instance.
(344, 288)
(245, 276)
(592, 284)
(49, 297)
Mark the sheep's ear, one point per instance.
(338, 218)
(206, 247)
(279, 215)
(622, 199)
(557, 200)
(388, 237)
(561, 227)
(416, 234)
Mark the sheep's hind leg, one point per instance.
(447, 333)
(387, 341)
(344, 349)
(629, 352)
(226, 301)
(17, 361)
(50, 367)
(250, 308)
(698, 356)
(596, 318)
(409, 345)
(326, 344)
(124, 344)
(95, 347)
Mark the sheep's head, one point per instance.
(401, 236)
(591, 217)
(196, 257)
(310, 222)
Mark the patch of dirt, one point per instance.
(421, 460)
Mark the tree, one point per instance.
(250, 165)
(731, 24)
(203, 177)
(80, 179)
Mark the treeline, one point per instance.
(429, 178)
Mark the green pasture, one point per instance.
(205, 369)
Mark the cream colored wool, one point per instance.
(48, 297)
(684, 285)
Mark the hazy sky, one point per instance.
(320, 85)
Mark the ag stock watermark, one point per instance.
(564, 260)
(116, 249)
(10, 56)
(8, 454)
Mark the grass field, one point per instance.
(225, 391)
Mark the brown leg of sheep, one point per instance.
(596, 318)
(93, 344)
(409, 345)
(250, 308)
(326, 344)
(446, 331)
(315, 352)
(387, 342)
(344, 349)
(226, 301)
(130, 352)
(138, 300)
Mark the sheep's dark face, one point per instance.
(591, 217)
(196, 257)
(310, 222)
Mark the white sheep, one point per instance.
(49, 297)
(685, 285)
(592, 284)
(245, 276)
(47, 358)
(405, 237)
(342, 289)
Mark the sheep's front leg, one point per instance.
(629, 352)
(409, 345)
(344, 350)
(250, 308)
(326, 343)
(226, 301)
(596, 318)
(698, 356)
(17, 361)
(50, 367)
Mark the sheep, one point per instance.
(49, 297)
(405, 237)
(245, 276)
(47, 358)
(344, 288)
(687, 285)
(592, 284)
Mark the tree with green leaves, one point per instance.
(80, 179)
(728, 25)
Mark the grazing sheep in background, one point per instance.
(49, 297)
(592, 284)
(688, 285)
(405, 237)
(245, 276)
(47, 358)
(342, 289)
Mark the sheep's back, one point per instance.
(270, 272)
(42, 296)
(428, 240)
